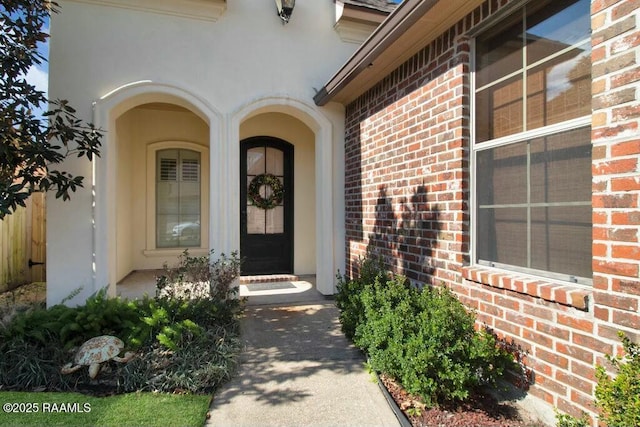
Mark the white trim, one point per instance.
(174, 253)
(530, 134)
(206, 10)
(152, 149)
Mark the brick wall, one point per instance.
(407, 199)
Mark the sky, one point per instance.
(38, 75)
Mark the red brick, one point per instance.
(507, 327)
(602, 313)
(542, 394)
(625, 218)
(617, 234)
(617, 268)
(624, 8)
(575, 352)
(552, 330)
(626, 252)
(600, 5)
(538, 339)
(611, 333)
(585, 325)
(507, 303)
(616, 301)
(614, 131)
(625, 184)
(631, 287)
(625, 113)
(627, 148)
(552, 358)
(616, 167)
(620, 201)
(625, 78)
(599, 250)
(519, 319)
(626, 319)
(590, 342)
(618, 28)
(551, 385)
(600, 282)
(582, 370)
(567, 407)
(586, 401)
(573, 382)
(538, 311)
(599, 152)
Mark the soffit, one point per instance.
(381, 5)
(407, 30)
(356, 20)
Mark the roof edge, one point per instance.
(403, 17)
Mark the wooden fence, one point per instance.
(23, 243)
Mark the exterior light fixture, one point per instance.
(285, 9)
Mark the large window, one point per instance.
(531, 142)
(178, 198)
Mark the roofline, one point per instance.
(398, 21)
(367, 7)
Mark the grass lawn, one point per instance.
(135, 409)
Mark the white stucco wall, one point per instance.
(246, 59)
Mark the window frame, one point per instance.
(152, 150)
(518, 137)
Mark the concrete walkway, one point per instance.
(298, 369)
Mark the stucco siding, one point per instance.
(119, 59)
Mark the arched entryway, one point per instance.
(153, 180)
(162, 186)
(323, 188)
(287, 239)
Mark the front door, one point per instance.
(266, 206)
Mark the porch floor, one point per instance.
(260, 290)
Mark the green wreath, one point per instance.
(277, 191)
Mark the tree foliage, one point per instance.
(34, 145)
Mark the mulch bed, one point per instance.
(481, 410)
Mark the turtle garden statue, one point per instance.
(96, 351)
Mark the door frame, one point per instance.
(288, 152)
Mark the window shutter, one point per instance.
(168, 169)
(190, 170)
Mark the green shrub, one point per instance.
(198, 277)
(619, 397)
(199, 365)
(348, 298)
(426, 340)
(29, 365)
(183, 342)
(566, 420)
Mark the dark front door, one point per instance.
(266, 206)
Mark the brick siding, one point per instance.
(407, 200)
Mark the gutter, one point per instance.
(401, 19)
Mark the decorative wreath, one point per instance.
(277, 191)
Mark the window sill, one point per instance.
(561, 293)
(174, 252)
